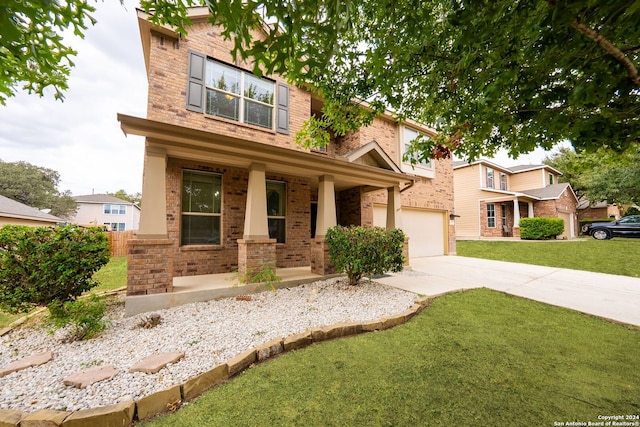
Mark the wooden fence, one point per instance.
(118, 241)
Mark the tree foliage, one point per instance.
(33, 52)
(487, 75)
(37, 187)
(601, 175)
(122, 194)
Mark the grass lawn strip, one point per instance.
(473, 358)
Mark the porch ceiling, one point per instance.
(193, 144)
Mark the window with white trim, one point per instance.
(550, 179)
(423, 167)
(115, 209)
(503, 181)
(491, 215)
(277, 210)
(201, 208)
(115, 226)
(236, 95)
(489, 178)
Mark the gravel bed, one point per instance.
(209, 333)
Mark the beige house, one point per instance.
(490, 199)
(16, 213)
(225, 186)
(102, 209)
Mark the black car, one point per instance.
(629, 226)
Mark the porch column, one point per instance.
(530, 212)
(256, 250)
(150, 254)
(320, 262)
(255, 220)
(326, 206)
(516, 213)
(153, 212)
(394, 208)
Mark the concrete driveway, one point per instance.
(605, 295)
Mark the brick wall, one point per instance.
(149, 267)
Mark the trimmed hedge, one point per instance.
(540, 228)
(40, 265)
(364, 251)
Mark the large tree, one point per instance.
(514, 74)
(37, 187)
(133, 197)
(601, 175)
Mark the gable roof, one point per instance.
(12, 209)
(511, 169)
(101, 198)
(553, 191)
(372, 154)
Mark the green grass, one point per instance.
(616, 256)
(110, 277)
(473, 358)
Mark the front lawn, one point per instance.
(616, 256)
(473, 358)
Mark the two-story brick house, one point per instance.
(490, 199)
(225, 186)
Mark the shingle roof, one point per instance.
(11, 208)
(549, 192)
(100, 198)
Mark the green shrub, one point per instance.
(540, 228)
(632, 211)
(365, 251)
(84, 317)
(41, 265)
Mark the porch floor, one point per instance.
(206, 287)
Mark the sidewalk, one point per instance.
(605, 295)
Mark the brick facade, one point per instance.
(149, 266)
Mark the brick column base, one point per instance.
(320, 260)
(149, 266)
(405, 251)
(254, 255)
(515, 231)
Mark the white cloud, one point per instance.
(81, 137)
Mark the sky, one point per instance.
(81, 138)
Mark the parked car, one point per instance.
(629, 226)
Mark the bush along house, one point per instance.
(225, 187)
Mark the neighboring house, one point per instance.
(16, 213)
(103, 209)
(600, 210)
(490, 199)
(225, 186)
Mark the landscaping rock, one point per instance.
(157, 403)
(10, 417)
(120, 415)
(84, 378)
(44, 418)
(269, 349)
(155, 362)
(195, 386)
(27, 362)
(241, 361)
(297, 341)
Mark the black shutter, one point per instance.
(282, 112)
(196, 84)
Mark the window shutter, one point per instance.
(196, 83)
(282, 119)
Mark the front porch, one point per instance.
(188, 289)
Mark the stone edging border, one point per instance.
(169, 400)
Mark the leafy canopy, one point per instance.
(487, 75)
(37, 187)
(601, 175)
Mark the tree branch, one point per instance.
(610, 49)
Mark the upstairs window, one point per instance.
(503, 181)
(550, 179)
(115, 209)
(408, 136)
(490, 178)
(236, 95)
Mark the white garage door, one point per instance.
(425, 229)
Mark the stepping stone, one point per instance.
(155, 362)
(27, 362)
(85, 378)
